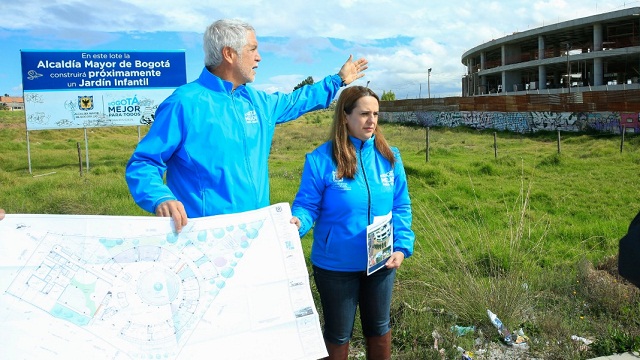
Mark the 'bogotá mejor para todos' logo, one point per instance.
(85, 102)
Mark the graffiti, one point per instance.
(427, 118)
(98, 121)
(38, 118)
(33, 98)
(629, 121)
(605, 122)
(520, 121)
(450, 119)
(62, 123)
(478, 120)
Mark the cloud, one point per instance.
(401, 39)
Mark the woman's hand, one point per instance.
(395, 260)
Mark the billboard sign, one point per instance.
(83, 89)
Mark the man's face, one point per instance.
(248, 60)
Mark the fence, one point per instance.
(603, 111)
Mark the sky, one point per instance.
(296, 38)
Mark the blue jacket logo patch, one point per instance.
(251, 117)
(387, 178)
(338, 183)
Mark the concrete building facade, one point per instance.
(595, 53)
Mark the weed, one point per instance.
(534, 254)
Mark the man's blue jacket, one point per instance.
(213, 143)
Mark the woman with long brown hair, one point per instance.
(354, 194)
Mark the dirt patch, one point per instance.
(11, 125)
(604, 288)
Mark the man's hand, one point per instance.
(175, 210)
(295, 221)
(353, 70)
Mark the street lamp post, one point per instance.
(429, 83)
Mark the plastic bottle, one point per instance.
(494, 319)
(502, 330)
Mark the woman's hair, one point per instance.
(344, 152)
(225, 32)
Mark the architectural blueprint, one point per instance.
(106, 287)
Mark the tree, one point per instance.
(388, 96)
(307, 81)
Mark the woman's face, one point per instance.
(362, 121)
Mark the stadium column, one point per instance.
(598, 76)
(542, 70)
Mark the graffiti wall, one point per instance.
(522, 122)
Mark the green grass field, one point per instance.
(525, 231)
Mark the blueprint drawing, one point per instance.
(107, 287)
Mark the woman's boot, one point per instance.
(379, 347)
(337, 352)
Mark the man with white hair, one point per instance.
(212, 137)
